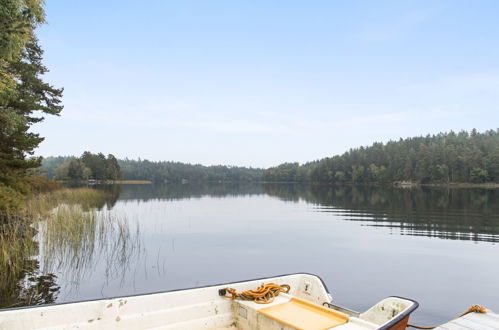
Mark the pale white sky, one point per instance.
(258, 84)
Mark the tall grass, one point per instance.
(73, 241)
(39, 205)
(16, 244)
(66, 233)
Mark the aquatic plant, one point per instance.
(73, 241)
(64, 231)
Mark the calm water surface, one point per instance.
(436, 246)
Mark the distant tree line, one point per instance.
(178, 172)
(88, 166)
(467, 157)
(442, 158)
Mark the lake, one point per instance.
(437, 246)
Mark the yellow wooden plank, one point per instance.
(301, 314)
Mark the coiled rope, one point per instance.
(264, 294)
(472, 309)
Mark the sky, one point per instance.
(259, 83)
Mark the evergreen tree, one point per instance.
(441, 158)
(113, 168)
(23, 94)
(88, 166)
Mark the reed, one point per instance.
(41, 204)
(65, 230)
(73, 241)
(16, 245)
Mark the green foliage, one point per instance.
(478, 175)
(96, 163)
(24, 96)
(50, 164)
(88, 166)
(287, 172)
(40, 184)
(445, 157)
(69, 225)
(10, 200)
(73, 170)
(113, 169)
(154, 171)
(18, 19)
(180, 172)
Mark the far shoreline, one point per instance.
(399, 184)
(131, 182)
(489, 185)
(97, 182)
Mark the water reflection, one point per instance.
(145, 238)
(28, 286)
(80, 235)
(458, 214)
(75, 247)
(185, 191)
(461, 214)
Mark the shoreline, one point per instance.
(403, 184)
(97, 182)
(406, 185)
(131, 182)
(489, 185)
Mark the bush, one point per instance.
(40, 184)
(479, 175)
(10, 200)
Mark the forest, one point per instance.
(87, 167)
(464, 157)
(152, 171)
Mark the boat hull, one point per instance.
(203, 308)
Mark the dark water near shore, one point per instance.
(437, 246)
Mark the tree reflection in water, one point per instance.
(461, 214)
(104, 238)
(450, 213)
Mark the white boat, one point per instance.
(307, 305)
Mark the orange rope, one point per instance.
(476, 309)
(264, 294)
(472, 309)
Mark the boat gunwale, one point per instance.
(402, 315)
(386, 326)
(159, 292)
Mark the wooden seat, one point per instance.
(301, 314)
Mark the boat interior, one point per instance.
(307, 305)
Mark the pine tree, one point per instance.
(22, 94)
(31, 94)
